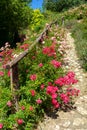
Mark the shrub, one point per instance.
(36, 20)
(43, 86)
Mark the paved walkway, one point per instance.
(75, 119)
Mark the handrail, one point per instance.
(23, 54)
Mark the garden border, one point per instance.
(13, 66)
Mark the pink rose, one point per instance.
(9, 103)
(20, 121)
(22, 107)
(33, 77)
(54, 95)
(42, 86)
(33, 92)
(56, 64)
(40, 65)
(1, 125)
(9, 73)
(38, 101)
(1, 73)
(31, 108)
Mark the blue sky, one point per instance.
(36, 4)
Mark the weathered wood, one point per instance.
(23, 54)
(17, 59)
(14, 86)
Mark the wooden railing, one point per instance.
(13, 66)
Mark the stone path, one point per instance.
(75, 119)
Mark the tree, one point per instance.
(60, 5)
(14, 15)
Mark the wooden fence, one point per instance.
(13, 66)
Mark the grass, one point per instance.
(79, 32)
(76, 22)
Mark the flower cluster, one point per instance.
(24, 46)
(9, 103)
(64, 98)
(72, 91)
(49, 51)
(52, 91)
(33, 77)
(22, 108)
(1, 125)
(66, 80)
(6, 56)
(1, 73)
(33, 92)
(38, 101)
(20, 121)
(56, 64)
(40, 65)
(42, 86)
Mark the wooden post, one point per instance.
(14, 85)
(62, 20)
(47, 32)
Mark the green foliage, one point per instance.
(61, 5)
(36, 20)
(14, 15)
(75, 20)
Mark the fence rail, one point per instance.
(22, 55)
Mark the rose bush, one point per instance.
(43, 86)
